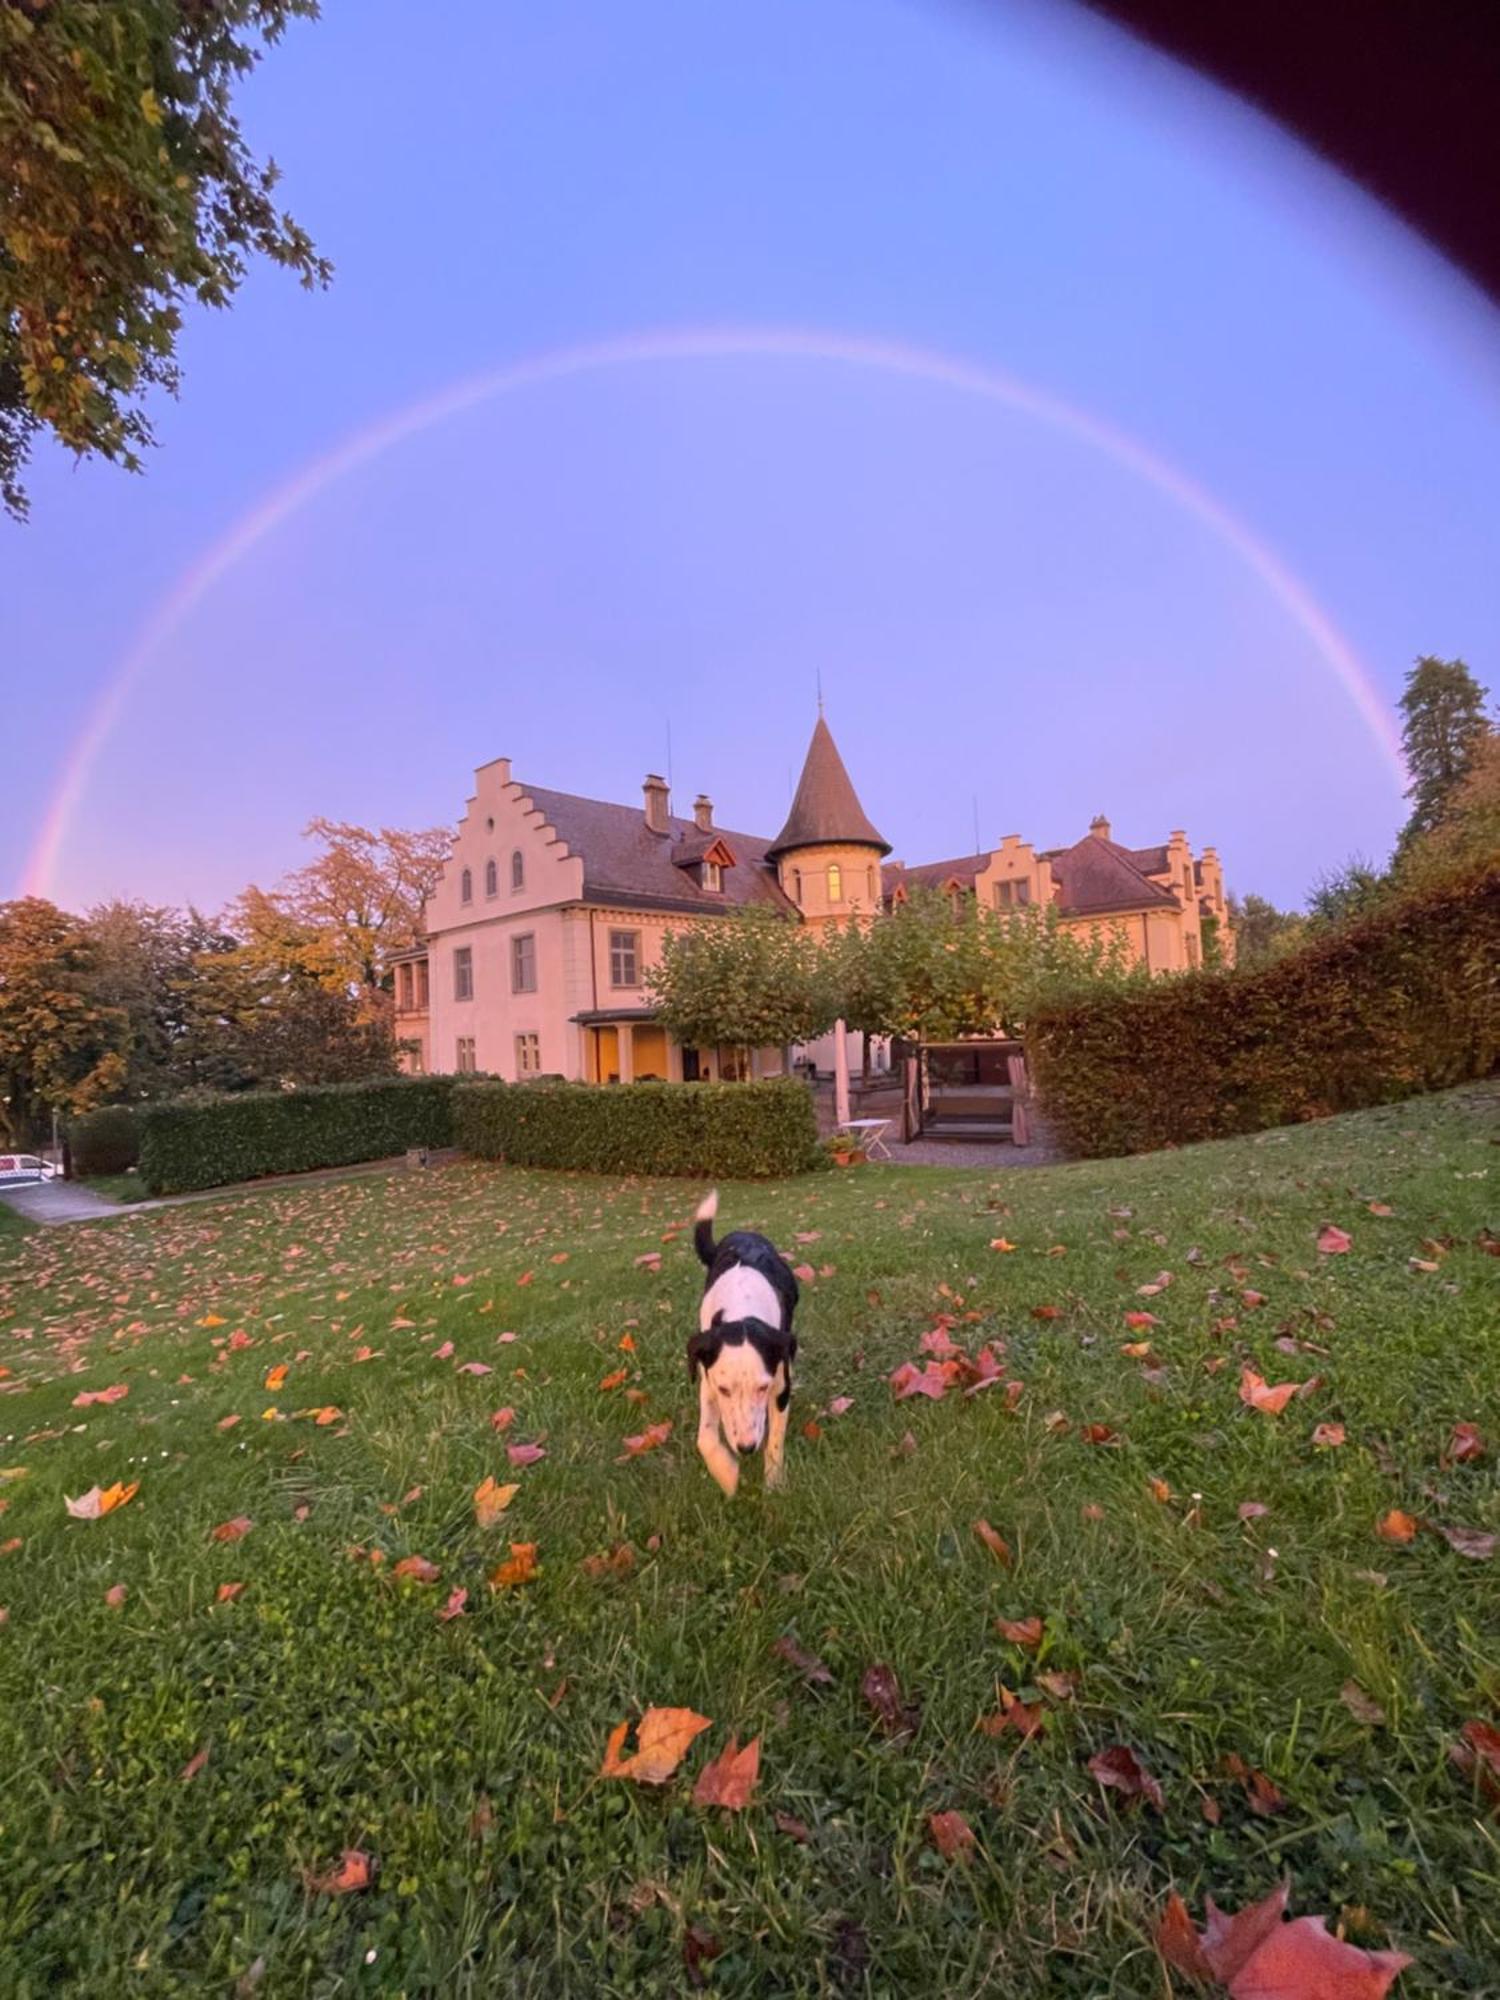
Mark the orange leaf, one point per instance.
(1025, 1718)
(457, 1599)
(417, 1567)
(276, 1377)
(1178, 1942)
(1332, 1241)
(995, 1542)
(193, 1766)
(952, 1835)
(1258, 1957)
(1259, 1395)
(87, 1396)
(521, 1568)
(231, 1531)
(491, 1501)
(1464, 1444)
(1140, 1319)
(626, 1343)
(1397, 1527)
(662, 1738)
(730, 1779)
(98, 1501)
(614, 1380)
(1046, 1312)
(226, 1423)
(1025, 1632)
(355, 1870)
(646, 1440)
(501, 1420)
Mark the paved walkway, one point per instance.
(57, 1201)
(49, 1202)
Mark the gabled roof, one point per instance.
(826, 810)
(1095, 877)
(1150, 860)
(624, 862)
(932, 874)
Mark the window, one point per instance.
(624, 958)
(528, 1055)
(403, 989)
(466, 886)
(523, 963)
(835, 883)
(1010, 895)
(491, 879)
(796, 885)
(422, 988)
(463, 973)
(713, 875)
(466, 1064)
(414, 1060)
(517, 871)
(870, 885)
(1192, 952)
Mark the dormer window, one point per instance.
(712, 876)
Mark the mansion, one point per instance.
(551, 909)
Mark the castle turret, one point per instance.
(828, 854)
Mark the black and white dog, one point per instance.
(743, 1350)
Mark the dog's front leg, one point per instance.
(717, 1456)
(781, 1399)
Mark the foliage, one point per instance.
(106, 1141)
(709, 1130)
(1261, 931)
(60, 1049)
(1342, 894)
(1467, 836)
(750, 978)
(1407, 1000)
(336, 921)
(148, 963)
(199, 1142)
(341, 1711)
(129, 191)
(259, 1023)
(1443, 707)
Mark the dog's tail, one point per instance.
(703, 1231)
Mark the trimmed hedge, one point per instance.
(733, 1131)
(1405, 1001)
(106, 1141)
(202, 1142)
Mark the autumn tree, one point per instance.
(129, 192)
(1467, 836)
(1341, 894)
(1444, 725)
(1261, 931)
(147, 962)
(60, 1048)
(750, 978)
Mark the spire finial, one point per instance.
(820, 689)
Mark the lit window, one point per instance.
(624, 958)
(466, 1065)
(835, 883)
(523, 963)
(414, 1061)
(528, 1055)
(517, 871)
(466, 886)
(463, 973)
(491, 879)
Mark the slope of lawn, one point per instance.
(173, 1767)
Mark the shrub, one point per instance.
(746, 1131)
(204, 1142)
(106, 1141)
(1405, 1000)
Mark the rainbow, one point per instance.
(690, 344)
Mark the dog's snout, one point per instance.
(746, 1446)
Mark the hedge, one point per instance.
(106, 1141)
(201, 1142)
(739, 1131)
(1405, 1001)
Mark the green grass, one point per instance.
(339, 1711)
(124, 1188)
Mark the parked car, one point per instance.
(18, 1168)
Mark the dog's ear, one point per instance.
(703, 1350)
(777, 1345)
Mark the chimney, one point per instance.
(1099, 827)
(657, 803)
(703, 813)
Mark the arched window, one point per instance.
(835, 883)
(796, 885)
(491, 879)
(870, 885)
(517, 870)
(466, 886)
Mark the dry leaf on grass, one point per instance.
(418, 1568)
(952, 1835)
(491, 1501)
(1476, 1543)
(730, 1779)
(1477, 1755)
(1119, 1769)
(995, 1542)
(227, 1593)
(98, 1501)
(650, 1439)
(86, 1397)
(355, 1870)
(882, 1691)
(807, 1664)
(1261, 1395)
(1397, 1527)
(193, 1766)
(1360, 1705)
(525, 1454)
(1333, 1241)
(454, 1608)
(663, 1736)
(1026, 1632)
(1258, 1957)
(1465, 1444)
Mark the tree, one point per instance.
(256, 1025)
(128, 191)
(750, 978)
(339, 919)
(1444, 725)
(146, 961)
(1261, 931)
(1468, 834)
(1344, 893)
(60, 1050)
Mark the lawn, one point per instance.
(174, 1768)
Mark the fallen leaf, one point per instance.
(1178, 1942)
(995, 1542)
(1360, 1706)
(1024, 1718)
(276, 1377)
(1396, 1527)
(626, 1343)
(193, 1766)
(1119, 1767)
(443, 1353)
(1477, 1755)
(699, 1948)
(91, 1506)
(952, 1835)
(1332, 1241)
(231, 1531)
(1046, 1313)
(521, 1568)
(1061, 1686)
(1259, 1395)
(807, 1664)
(840, 1405)
(355, 1870)
(1098, 1434)
(85, 1397)
(613, 1381)
(226, 1423)
(649, 1439)
(1158, 1284)
(454, 1608)
(730, 1779)
(475, 1368)
(115, 1596)
(1025, 1632)
(1472, 1542)
(1258, 1957)
(618, 1562)
(795, 1829)
(525, 1454)
(227, 1592)
(1159, 1490)
(491, 1501)
(1329, 1435)
(1000, 1243)
(1465, 1444)
(882, 1691)
(662, 1737)
(418, 1568)
(501, 1420)
(1252, 1510)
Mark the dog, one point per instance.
(743, 1351)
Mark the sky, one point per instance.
(1094, 446)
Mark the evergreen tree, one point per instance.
(1444, 725)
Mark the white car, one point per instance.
(18, 1168)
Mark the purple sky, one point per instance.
(1000, 610)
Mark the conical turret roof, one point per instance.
(826, 811)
